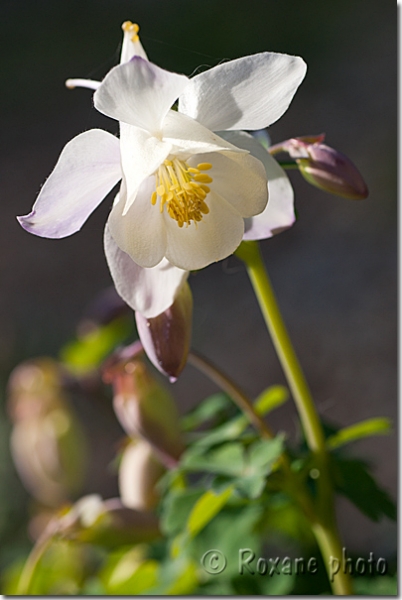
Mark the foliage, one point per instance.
(226, 494)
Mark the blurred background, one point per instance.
(334, 272)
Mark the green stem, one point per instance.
(240, 398)
(31, 563)
(324, 524)
(249, 252)
(288, 164)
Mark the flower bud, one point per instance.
(144, 408)
(326, 168)
(139, 472)
(166, 338)
(47, 444)
(105, 522)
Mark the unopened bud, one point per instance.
(166, 338)
(326, 168)
(105, 522)
(139, 472)
(47, 443)
(144, 408)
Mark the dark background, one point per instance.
(334, 272)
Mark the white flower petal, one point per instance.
(141, 231)
(131, 45)
(187, 136)
(149, 291)
(139, 93)
(214, 238)
(141, 155)
(248, 93)
(88, 168)
(239, 178)
(279, 213)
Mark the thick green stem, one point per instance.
(324, 523)
(249, 252)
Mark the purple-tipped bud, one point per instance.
(145, 409)
(166, 338)
(327, 168)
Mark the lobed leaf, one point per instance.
(353, 480)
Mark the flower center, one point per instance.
(182, 189)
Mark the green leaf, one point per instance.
(376, 586)
(176, 509)
(231, 430)
(86, 353)
(250, 486)
(206, 508)
(176, 577)
(284, 517)
(262, 454)
(377, 426)
(352, 479)
(227, 459)
(128, 573)
(271, 398)
(260, 459)
(236, 526)
(185, 582)
(206, 410)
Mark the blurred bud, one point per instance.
(105, 522)
(139, 472)
(166, 338)
(326, 168)
(106, 307)
(47, 444)
(144, 408)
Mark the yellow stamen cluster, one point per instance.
(131, 28)
(182, 189)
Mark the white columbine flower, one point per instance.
(188, 195)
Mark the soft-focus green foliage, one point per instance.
(377, 586)
(353, 479)
(87, 352)
(226, 493)
(378, 426)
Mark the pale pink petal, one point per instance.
(279, 212)
(149, 291)
(88, 168)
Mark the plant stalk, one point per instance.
(324, 524)
(242, 401)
